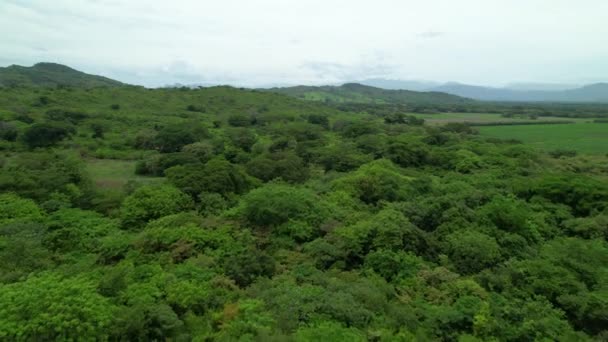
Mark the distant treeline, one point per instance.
(568, 110)
(520, 123)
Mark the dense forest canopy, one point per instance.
(254, 216)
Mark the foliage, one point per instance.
(49, 307)
(152, 202)
(223, 214)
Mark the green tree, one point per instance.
(276, 204)
(151, 202)
(472, 251)
(46, 135)
(49, 307)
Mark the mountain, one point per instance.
(359, 93)
(527, 86)
(399, 84)
(51, 75)
(590, 93)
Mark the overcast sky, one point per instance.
(261, 42)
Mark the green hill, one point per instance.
(52, 75)
(358, 93)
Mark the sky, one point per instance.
(278, 42)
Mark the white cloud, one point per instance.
(253, 42)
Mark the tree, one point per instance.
(46, 135)
(242, 138)
(284, 165)
(472, 251)
(376, 181)
(152, 202)
(275, 204)
(16, 209)
(240, 120)
(8, 131)
(329, 331)
(49, 307)
(246, 266)
(172, 138)
(407, 153)
(217, 175)
(319, 119)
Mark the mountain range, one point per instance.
(597, 92)
(373, 90)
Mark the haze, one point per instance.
(268, 42)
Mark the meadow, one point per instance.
(115, 174)
(589, 138)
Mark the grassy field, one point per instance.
(114, 174)
(442, 118)
(589, 138)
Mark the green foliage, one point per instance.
(48, 307)
(16, 209)
(41, 175)
(46, 135)
(472, 251)
(284, 165)
(276, 204)
(152, 202)
(217, 175)
(8, 131)
(172, 138)
(328, 331)
(376, 181)
(290, 220)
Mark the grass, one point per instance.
(114, 174)
(442, 118)
(591, 138)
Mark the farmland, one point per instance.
(589, 138)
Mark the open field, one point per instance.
(442, 118)
(114, 174)
(589, 138)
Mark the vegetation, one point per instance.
(240, 215)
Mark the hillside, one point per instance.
(358, 93)
(52, 75)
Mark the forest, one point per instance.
(229, 214)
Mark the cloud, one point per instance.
(430, 34)
(337, 72)
(155, 42)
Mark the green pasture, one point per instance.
(589, 138)
(114, 174)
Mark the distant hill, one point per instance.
(359, 93)
(51, 75)
(515, 92)
(590, 93)
(399, 84)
